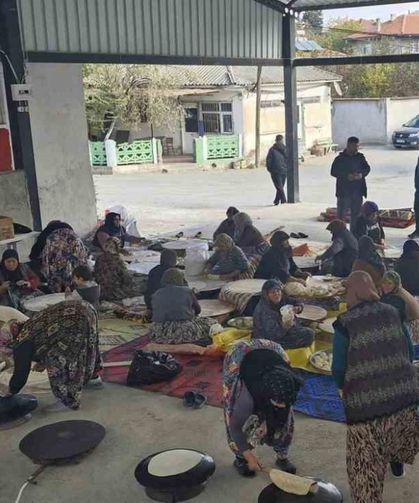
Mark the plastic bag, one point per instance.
(152, 367)
(196, 259)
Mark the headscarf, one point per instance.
(40, 243)
(7, 275)
(368, 208)
(232, 210)
(271, 284)
(173, 276)
(268, 377)
(368, 253)
(110, 228)
(410, 248)
(360, 288)
(278, 239)
(224, 242)
(168, 258)
(241, 221)
(394, 278)
(112, 246)
(336, 227)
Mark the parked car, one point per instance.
(408, 135)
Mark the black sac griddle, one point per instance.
(327, 493)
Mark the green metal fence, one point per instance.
(217, 147)
(137, 152)
(97, 153)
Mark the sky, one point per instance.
(382, 12)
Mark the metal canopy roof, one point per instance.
(302, 5)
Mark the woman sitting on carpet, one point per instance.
(339, 258)
(382, 418)
(228, 261)
(113, 228)
(227, 225)
(408, 267)
(396, 295)
(247, 237)
(17, 281)
(369, 261)
(269, 322)
(64, 340)
(277, 262)
(368, 224)
(259, 391)
(111, 273)
(175, 314)
(62, 253)
(168, 259)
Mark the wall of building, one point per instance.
(14, 197)
(372, 120)
(59, 133)
(144, 131)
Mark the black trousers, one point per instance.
(353, 203)
(279, 180)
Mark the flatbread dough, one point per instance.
(169, 463)
(40, 303)
(291, 484)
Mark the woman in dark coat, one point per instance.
(247, 237)
(168, 259)
(339, 258)
(408, 267)
(227, 225)
(112, 228)
(369, 261)
(368, 224)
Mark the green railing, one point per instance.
(217, 147)
(137, 152)
(97, 153)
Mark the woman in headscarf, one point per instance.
(17, 281)
(112, 228)
(372, 366)
(63, 339)
(269, 322)
(247, 237)
(369, 261)
(168, 259)
(228, 261)
(111, 273)
(368, 224)
(259, 391)
(278, 263)
(227, 225)
(175, 313)
(338, 259)
(396, 295)
(62, 253)
(408, 267)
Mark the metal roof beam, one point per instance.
(273, 4)
(358, 60)
(321, 5)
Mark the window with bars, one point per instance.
(217, 118)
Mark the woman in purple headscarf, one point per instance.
(368, 224)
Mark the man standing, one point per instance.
(415, 234)
(350, 169)
(277, 165)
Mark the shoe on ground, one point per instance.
(95, 383)
(58, 406)
(286, 466)
(189, 399)
(414, 235)
(276, 203)
(242, 468)
(397, 469)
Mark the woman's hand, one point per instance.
(4, 287)
(298, 309)
(253, 461)
(23, 283)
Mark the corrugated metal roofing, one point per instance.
(302, 44)
(301, 5)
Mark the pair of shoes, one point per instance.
(286, 466)
(276, 203)
(194, 400)
(240, 465)
(95, 383)
(299, 235)
(58, 406)
(414, 235)
(397, 469)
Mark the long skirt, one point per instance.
(195, 331)
(414, 330)
(371, 446)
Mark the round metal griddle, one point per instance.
(327, 493)
(176, 484)
(62, 441)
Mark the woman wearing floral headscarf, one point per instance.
(372, 366)
(259, 391)
(228, 261)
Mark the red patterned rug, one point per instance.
(199, 373)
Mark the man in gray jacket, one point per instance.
(277, 165)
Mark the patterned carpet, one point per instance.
(114, 332)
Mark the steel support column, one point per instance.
(20, 126)
(291, 107)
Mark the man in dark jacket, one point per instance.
(415, 234)
(277, 165)
(350, 168)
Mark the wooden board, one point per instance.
(212, 308)
(182, 244)
(392, 253)
(142, 268)
(143, 255)
(40, 303)
(203, 284)
(313, 313)
(306, 262)
(250, 286)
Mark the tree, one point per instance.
(336, 34)
(313, 20)
(133, 94)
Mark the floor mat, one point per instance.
(116, 332)
(318, 398)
